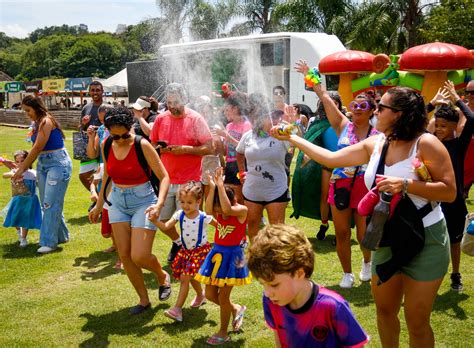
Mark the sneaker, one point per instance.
(173, 252)
(164, 291)
(23, 242)
(321, 235)
(138, 309)
(365, 273)
(347, 281)
(45, 250)
(174, 313)
(456, 282)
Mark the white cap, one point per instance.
(140, 104)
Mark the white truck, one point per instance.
(254, 63)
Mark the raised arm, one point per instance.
(353, 155)
(227, 208)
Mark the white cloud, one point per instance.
(14, 30)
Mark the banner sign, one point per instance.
(13, 87)
(33, 86)
(56, 85)
(78, 84)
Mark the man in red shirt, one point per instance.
(188, 138)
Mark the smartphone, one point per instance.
(161, 144)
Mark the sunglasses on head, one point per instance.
(381, 106)
(363, 106)
(118, 137)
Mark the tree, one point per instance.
(388, 26)
(209, 21)
(259, 14)
(451, 22)
(309, 15)
(53, 30)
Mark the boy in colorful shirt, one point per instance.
(301, 313)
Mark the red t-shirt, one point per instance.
(190, 130)
(229, 232)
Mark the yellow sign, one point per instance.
(2, 85)
(55, 85)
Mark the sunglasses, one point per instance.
(381, 106)
(118, 137)
(364, 106)
(469, 92)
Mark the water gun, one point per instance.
(312, 78)
(420, 169)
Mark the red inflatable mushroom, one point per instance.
(348, 64)
(434, 60)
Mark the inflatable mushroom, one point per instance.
(348, 64)
(434, 61)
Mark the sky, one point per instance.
(18, 18)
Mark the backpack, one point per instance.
(154, 181)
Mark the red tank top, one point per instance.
(127, 171)
(229, 232)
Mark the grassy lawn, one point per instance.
(76, 298)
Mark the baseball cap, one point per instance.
(140, 104)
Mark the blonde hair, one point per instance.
(280, 249)
(193, 187)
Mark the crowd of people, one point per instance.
(195, 165)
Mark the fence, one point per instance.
(69, 119)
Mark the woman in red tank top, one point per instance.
(133, 202)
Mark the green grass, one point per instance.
(76, 298)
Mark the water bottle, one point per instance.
(374, 231)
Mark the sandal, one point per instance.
(196, 303)
(239, 319)
(215, 340)
(174, 314)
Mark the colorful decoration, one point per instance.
(312, 78)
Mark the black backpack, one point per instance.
(154, 181)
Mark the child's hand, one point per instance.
(451, 90)
(210, 179)
(153, 212)
(219, 177)
(441, 97)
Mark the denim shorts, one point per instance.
(129, 205)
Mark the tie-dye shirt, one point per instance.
(325, 320)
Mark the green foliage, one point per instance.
(54, 30)
(204, 22)
(451, 21)
(260, 15)
(311, 15)
(226, 66)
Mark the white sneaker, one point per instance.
(23, 242)
(347, 281)
(365, 273)
(45, 250)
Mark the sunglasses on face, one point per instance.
(470, 92)
(118, 137)
(381, 106)
(363, 106)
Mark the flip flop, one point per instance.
(215, 340)
(239, 319)
(196, 303)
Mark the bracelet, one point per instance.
(405, 187)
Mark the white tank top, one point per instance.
(402, 169)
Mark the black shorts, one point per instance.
(455, 215)
(282, 199)
(230, 172)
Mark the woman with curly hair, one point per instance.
(401, 118)
(53, 172)
(133, 203)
